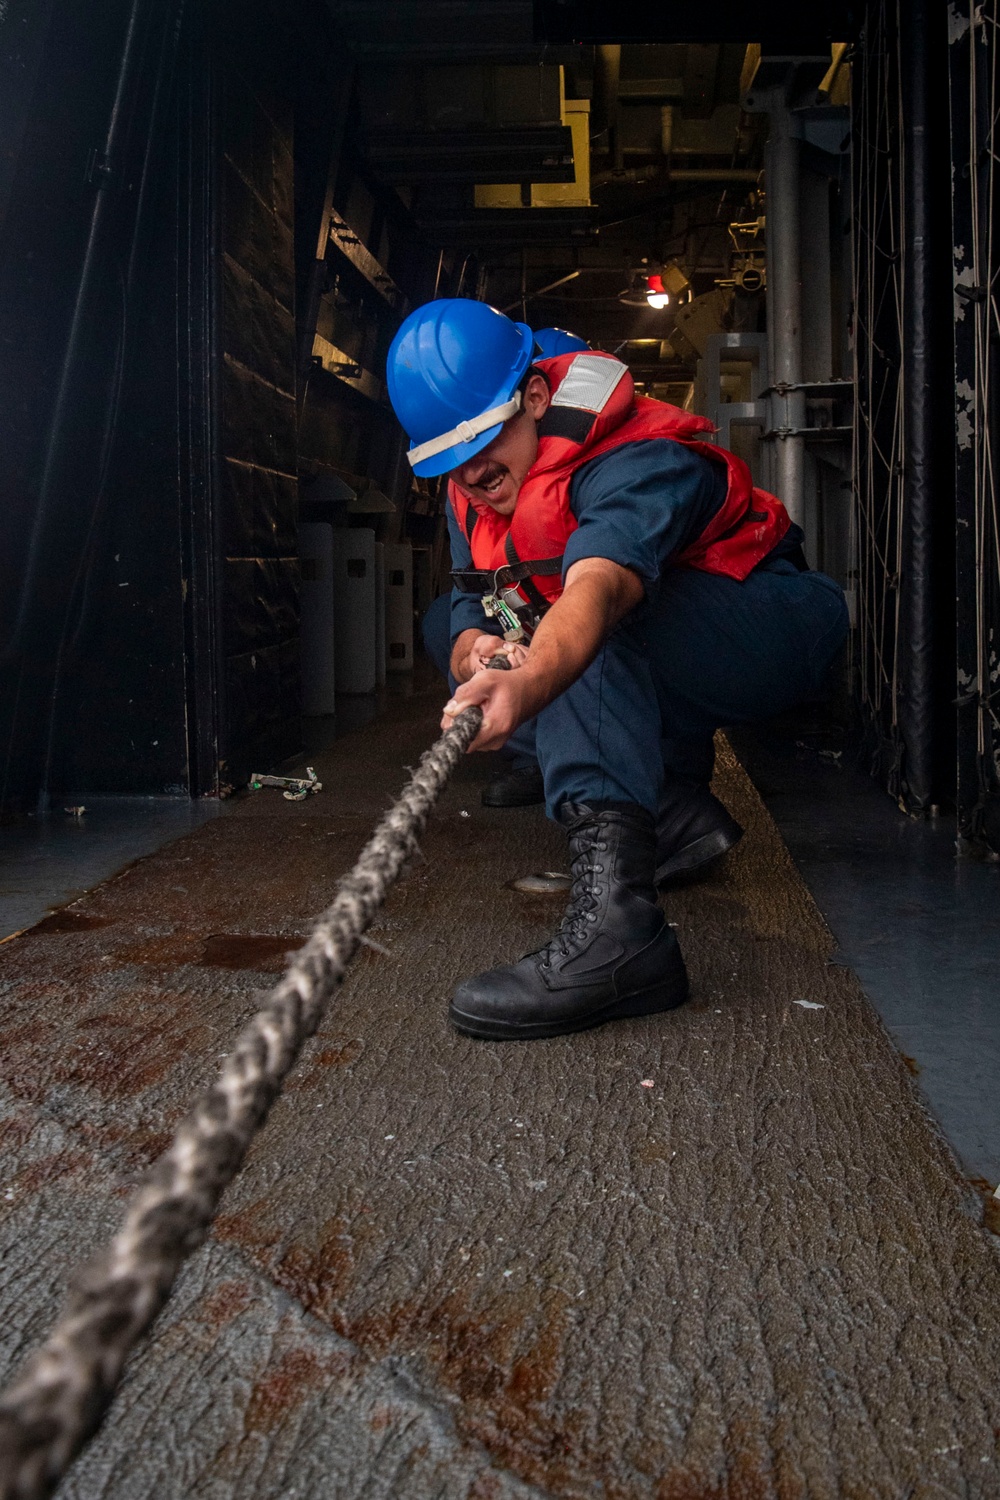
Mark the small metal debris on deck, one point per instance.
(809, 1004)
(542, 883)
(294, 788)
(75, 812)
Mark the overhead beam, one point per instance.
(509, 226)
(787, 23)
(649, 90)
(537, 153)
(416, 21)
(489, 30)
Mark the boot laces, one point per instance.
(583, 902)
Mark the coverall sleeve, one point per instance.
(467, 611)
(641, 503)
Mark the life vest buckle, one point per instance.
(499, 606)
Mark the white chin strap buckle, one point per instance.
(465, 431)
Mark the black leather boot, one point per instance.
(614, 955)
(693, 829)
(522, 786)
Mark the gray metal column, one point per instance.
(784, 305)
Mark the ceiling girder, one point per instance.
(533, 154)
(786, 23)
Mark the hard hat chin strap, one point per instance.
(466, 431)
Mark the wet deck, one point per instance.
(457, 1269)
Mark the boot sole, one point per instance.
(671, 992)
(515, 801)
(704, 851)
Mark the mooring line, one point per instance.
(57, 1401)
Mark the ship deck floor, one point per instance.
(721, 1254)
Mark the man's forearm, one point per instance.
(566, 641)
(597, 595)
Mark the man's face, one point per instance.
(497, 473)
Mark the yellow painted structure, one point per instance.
(576, 194)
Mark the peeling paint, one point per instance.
(966, 277)
(965, 425)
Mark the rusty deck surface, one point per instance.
(482, 1271)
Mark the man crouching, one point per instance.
(646, 594)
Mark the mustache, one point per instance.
(491, 474)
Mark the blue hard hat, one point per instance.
(553, 341)
(453, 362)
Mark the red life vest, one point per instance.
(593, 409)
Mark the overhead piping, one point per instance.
(637, 176)
(530, 296)
(607, 75)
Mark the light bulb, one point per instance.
(658, 299)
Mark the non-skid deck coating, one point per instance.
(481, 1271)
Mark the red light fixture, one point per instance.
(656, 293)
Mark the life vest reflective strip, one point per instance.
(593, 410)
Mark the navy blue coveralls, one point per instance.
(702, 651)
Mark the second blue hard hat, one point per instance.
(453, 372)
(553, 341)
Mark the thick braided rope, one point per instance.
(57, 1401)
